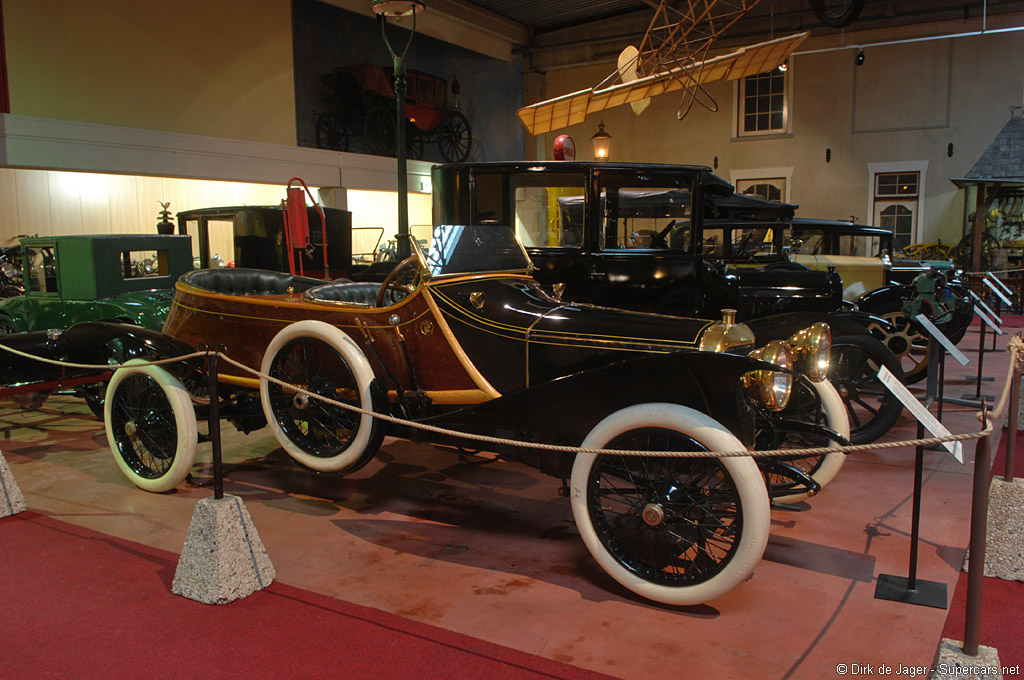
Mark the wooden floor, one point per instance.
(492, 551)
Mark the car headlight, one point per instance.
(811, 349)
(772, 388)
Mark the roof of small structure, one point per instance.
(1003, 160)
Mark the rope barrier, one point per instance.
(1015, 346)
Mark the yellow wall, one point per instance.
(221, 68)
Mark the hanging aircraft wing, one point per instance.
(571, 109)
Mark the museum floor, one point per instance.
(490, 553)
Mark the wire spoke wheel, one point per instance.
(331, 132)
(672, 521)
(318, 428)
(151, 426)
(837, 13)
(870, 406)
(907, 343)
(812, 403)
(679, 530)
(147, 436)
(454, 137)
(320, 359)
(380, 130)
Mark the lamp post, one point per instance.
(398, 9)
(602, 143)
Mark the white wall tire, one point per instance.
(324, 360)
(824, 471)
(712, 562)
(151, 426)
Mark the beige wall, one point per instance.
(900, 98)
(222, 68)
(52, 203)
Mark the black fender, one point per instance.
(840, 322)
(564, 410)
(885, 298)
(136, 340)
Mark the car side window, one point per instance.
(548, 209)
(645, 216)
(42, 269)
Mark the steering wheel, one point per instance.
(742, 247)
(659, 240)
(408, 266)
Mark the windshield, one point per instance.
(477, 249)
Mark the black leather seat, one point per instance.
(346, 291)
(237, 281)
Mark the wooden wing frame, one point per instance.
(573, 108)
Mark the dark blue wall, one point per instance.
(326, 37)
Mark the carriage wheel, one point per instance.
(413, 143)
(454, 137)
(331, 132)
(379, 130)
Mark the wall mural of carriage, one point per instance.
(360, 113)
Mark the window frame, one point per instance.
(740, 105)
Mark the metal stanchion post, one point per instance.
(979, 521)
(1011, 420)
(981, 359)
(218, 478)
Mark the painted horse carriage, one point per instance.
(460, 337)
(360, 104)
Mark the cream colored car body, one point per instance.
(860, 272)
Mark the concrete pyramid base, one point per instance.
(1004, 549)
(223, 559)
(11, 500)
(953, 663)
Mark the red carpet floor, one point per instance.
(75, 603)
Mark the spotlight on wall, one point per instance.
(784, 66)
(602, 143)
(716, 162)
(949, 149)
(828, 155)
(859, 60)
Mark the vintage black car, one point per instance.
(462, 338)
(89, 343)
(665, 239)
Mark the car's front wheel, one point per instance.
(680, 531)
(822, 468)
(151, 426)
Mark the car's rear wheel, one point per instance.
(906, 342)
(324, 361)
(675, 530)
(151, 426)
(870, 406)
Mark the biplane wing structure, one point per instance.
(573, 108)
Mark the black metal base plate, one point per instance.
(927, 593)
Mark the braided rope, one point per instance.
(1015, 346)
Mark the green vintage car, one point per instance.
(122, 277)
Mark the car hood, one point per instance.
(517, 335)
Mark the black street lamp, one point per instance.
(398, 9)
